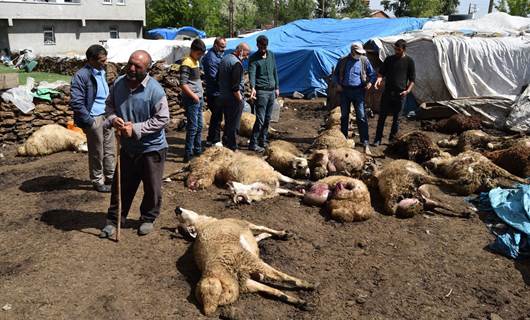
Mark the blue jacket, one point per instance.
(82, 95)
(210, 64)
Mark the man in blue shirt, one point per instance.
(89, 91)
(210, 65)
(354, 75)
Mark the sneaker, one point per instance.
(257, 149)
(187, 158)
(145, 228)
(218, 144)
(108, 231)
(376, 143)
(104, 188)
(367, 150)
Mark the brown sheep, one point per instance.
(341, 161)
(405, 188)
(226, 253)
(415, 146)
(346, 199)
(250, 178)
(456, 123)
(475, 172)
(331, 139)
(245, 126)
(52, 138)
(515, 159)
(287, 159)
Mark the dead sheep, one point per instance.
(52, 138)
(455, 124)
(407, 189)
(415, 146)
(245, 126)
(287, 159)
(515, 159)
(341, 161)
(475, 172)
(226, 253)
(345, 198)
(333, 120)
(476, 140)
(331, 139)
(249, 178)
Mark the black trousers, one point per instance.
(147, 168)
(391, 104)
(214, 129)
(232, 111)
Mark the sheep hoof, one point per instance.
(285, 235)
(306, 306)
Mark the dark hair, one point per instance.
(198, 45)
(94, 51)
(263, 40)
(402, 44)
(219, 39)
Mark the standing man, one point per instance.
(354, 75)
(192, 92)
(137, 107)
(399, 73)
(265, 87)
(210, 65)
(231, 92)
(89, 90)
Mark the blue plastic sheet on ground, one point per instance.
(307, 50)
(512, 206)
(172, 33)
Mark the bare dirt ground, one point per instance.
(53, 265)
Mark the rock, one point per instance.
(495, 316)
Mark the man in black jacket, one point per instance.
(89, 91)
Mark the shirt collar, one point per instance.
(97, 72)
(145, 80)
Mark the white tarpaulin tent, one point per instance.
(496, 23)
(519, 117)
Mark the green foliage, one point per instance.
(38, 76)
(420, 8)
(514, 7)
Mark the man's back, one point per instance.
(230, 76)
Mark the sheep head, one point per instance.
(300, 167)
(208, 293)
(246, 193)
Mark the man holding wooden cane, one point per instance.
(137, 108)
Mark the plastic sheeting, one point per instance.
(497, 23)
(474, 67)
(307, 50)
(119, 50)
(519, 118)
(172, 33)
(21, 96)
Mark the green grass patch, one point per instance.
(38, 76)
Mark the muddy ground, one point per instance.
(53, 265)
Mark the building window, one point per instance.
(107, 1)
(120, 2)
(49, 35)
(114, 32)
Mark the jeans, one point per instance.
(214, 129)
(232, 111)
(193, 126)
(147, 168)
(101, 151)
(263, 110)
(348, 96)
(391, 103)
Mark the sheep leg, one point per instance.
(268, 272)
(280, 234)
(286, 179)
(263, 236)
(289, 192)
(256, 287)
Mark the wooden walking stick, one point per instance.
(117, 177)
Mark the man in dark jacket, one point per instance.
(89, 91)
(399, 73)
(210, 65)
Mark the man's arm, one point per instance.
(381, 74)
(154, 124)
(185, 73)
(370, 72)
(237, 72)
(77, 101)
(209, 70)
(276, 78)
(411, 77)
(111, 119)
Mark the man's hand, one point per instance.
(118, 123)
(253, 94)
(404, 93)
(196, 98)
(127, 129)
(277, 92)
(378, 83)
(238, 96)
(368, 86)
(339, 88)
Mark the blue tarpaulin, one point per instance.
(172, 33)
(307, 50)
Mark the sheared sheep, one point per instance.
(475, 172)
(406, 189)
(52, 138)
(456, 123)
(415, 146)
(515, 159)
(347, 199)
(331, 139)
(287, 159)
(341, 161)
(476, 140)
(249, 178)
(227, 254)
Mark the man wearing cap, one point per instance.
(399, 73)
(263, 77)
(210, 65)
(354, 75)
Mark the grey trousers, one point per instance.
(101, 152)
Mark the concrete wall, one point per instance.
(70, 37)
(85, 9)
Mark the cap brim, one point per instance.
(361, 51)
